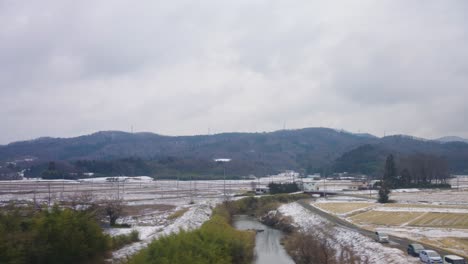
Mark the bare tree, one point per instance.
(81, 200)
(319, 246)
(113, 209)
(423, 169)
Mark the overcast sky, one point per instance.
(69, 68)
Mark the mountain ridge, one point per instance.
(307, 149)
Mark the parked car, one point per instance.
(430, 257)
(453, 259)
(414, 249)
(381, 237)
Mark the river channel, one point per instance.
(268, 249)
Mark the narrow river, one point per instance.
(268, 249)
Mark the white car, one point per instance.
(430, 256)
(381, 237)
(452, 259)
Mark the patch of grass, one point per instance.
(122, 240)
(342, 208)
(215, 242)
(177, 214)
(447, 220)
(385, 218)
(454, 244)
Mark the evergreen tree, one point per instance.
(390, 172)
(384, 192)
(389, 179)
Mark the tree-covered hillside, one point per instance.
(306, 150)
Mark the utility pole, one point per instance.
(224, 182)
(123, 190)
(48, 188)
(118, 190)
(63, 186)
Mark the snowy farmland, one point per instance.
(369, 250)
(435, 217)
(149, 205)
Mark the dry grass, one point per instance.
(177, 214)
(455, 244)
(447, 220)
(342, 208)
(385, 218)
(397, 205)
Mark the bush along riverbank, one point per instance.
(216, 241)
(304, 246)
(317, 245)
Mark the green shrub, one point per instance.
(177, 214)
(50, 236)
(215, 242)
(283, 187)
(121, 240)
(262, 205)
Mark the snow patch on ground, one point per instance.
(192, 219)
(420, 232)
(342, 237)
(366, 192)
(335, 199)
(422, 210)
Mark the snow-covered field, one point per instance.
(341, 237)
(192, 219)
(152, 202)
(436, 197)
(437, 217)
(138, 190)
(200, 197)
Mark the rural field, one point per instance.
(435, 217)
(156, 208)
(152, 207)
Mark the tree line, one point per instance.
(413, 171)
(162, 168)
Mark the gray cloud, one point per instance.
(180, 67)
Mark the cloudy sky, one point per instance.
(188, 67)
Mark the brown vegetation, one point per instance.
(317, 246)
(178, 214)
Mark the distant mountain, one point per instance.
(370, 158)
(452, 139)
(308, 150)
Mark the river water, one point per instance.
(268, 249)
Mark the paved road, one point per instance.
(396, 242)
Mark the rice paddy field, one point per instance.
(435, 217)
(444, 220)
(385, 218)
(343, 208)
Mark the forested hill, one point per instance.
(309, 149)
(284, 149)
